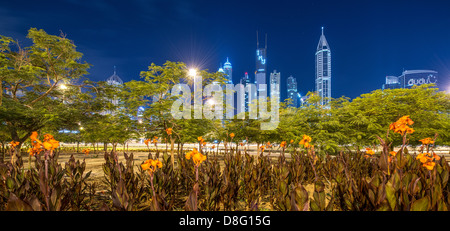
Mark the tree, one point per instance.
(371, 114)
(34, 79)
(154, 94)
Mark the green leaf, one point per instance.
(391, 195)
(421, 204)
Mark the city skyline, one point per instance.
(370, 40)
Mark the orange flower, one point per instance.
(262, 148)
(146, 141)
(392, 153)
(429, 165)
(401, 125)
(34, 150)
(283, 144)
(424, 157)
(199, 138)
(151, 165)
(51, 144)
(197, 157)
(369, 151)
(213, 146)
(232, 135)
(47, 145)
(427, 141)
(169, 131)
(292, 141)
(191, 153)
(405, 120)
(86, 151)
(436, 157)
(34, 136)
(305, 141)
(13, 144)
(48, 137)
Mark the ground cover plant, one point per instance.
(234, 181)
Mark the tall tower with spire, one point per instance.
(228, 70)
(323, 70)
(261, 64)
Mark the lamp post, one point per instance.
(197, 93)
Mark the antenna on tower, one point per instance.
(322, 30)
(266, 42)
(257, 41)
(114, 69)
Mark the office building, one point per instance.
(410, 78)
(323, 70)
(292, 91)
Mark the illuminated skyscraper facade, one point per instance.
(228, 70)
(323, 70)
(275, 78)
(410, 78)
(261, 64)
(246, 82)
(292, 90)
(114, 80)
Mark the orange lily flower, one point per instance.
(429, 165)
(369, 151)
(305, 141)
(427, 141)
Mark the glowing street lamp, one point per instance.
(211, 102)
(63, 86)
(192, 72)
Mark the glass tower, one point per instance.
(228, 70)
(261, 65)
(323, 70)
(292, 90)
(275, 78)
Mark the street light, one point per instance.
(62, 86)
(192, 72)
(211, 102)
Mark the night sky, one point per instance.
(369, 39)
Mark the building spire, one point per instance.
(266, 42)
(257, 40)
(114, 70)
(322, 30)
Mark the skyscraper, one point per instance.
(228, 70)
(292, 90)
(275, 79)
(246, 81)
(113, 80)
(410, 78)
(261, 64)
(323, 70)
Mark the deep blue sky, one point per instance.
(368, 39)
